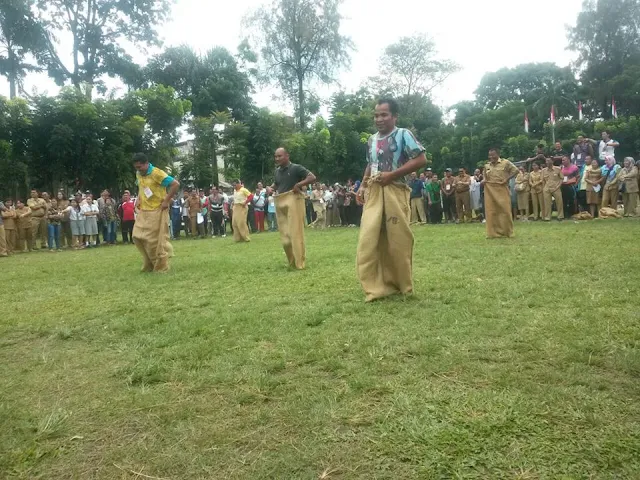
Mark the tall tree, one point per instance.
(213, 82)
(20, 35)
(98, 29)
(410, 66)
(606, 37)
(527, 83)
(300, 42)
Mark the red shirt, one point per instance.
(127, 211)
(569, 173)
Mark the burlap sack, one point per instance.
(384, 259)
(151, 237)
(582, 216)
(320, 210)
(239, 223)
(497, 206)
(606, 212)
(290, 212)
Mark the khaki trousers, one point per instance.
(25, 238)
(12, 239)
(320, 210)
(193, 224)
(151, 237)
(290, 212)
(384, 259)
(417, 211)
(239, 223)
(39, 230)
(3, 243)
(630, 201)
(463, 206)
(538, 204)
(610, 197)
(557, 196)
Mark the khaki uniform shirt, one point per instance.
(38, 207)
(535, 181)
(26, 221)
(552, 178)
(499, 172)
(522, 182)
(462, 183)
(9, 218)
(194, 206)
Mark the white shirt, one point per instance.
(605, 150)
(89, 208)
(328, 196)
(76, 214)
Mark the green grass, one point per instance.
(515, 359)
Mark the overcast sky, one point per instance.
(481, 36)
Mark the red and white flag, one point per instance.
(580, 116)
(526, 122)
(614, 111)
(553, 115)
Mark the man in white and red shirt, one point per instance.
(126, 211)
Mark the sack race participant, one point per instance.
(241, 199)
(385, 247)
(497, 197)
(151, 230)
(290, 181)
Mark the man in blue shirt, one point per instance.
(417, 204)
(385, 247)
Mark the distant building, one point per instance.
(186, 148)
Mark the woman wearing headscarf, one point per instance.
(611, 174)
(522, 191)
(629, 180)
(593, 178)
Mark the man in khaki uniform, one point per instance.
(194, 209)
(3, 238)
(10, 227)
(463, 195)
(38, 207)
(23, 220)
(552, 181)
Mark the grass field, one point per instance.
(515, 359)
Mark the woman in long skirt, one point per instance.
(241, 199)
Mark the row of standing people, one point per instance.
(65, 223)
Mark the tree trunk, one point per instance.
(301, 115)
(214, 163)
(13, 72)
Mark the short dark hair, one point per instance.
(495, 149)
(394, 108)
(140, 158)
(540, 145)
(608, 132)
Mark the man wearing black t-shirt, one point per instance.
(290, 180)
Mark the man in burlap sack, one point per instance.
(290, 180)
(385, 247)
(151, 230)
(497, 197)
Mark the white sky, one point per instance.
(481, 36)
